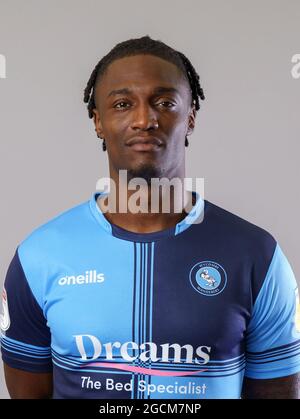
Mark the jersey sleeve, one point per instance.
(273, 333)
(25, 336)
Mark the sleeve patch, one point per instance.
(4, 317)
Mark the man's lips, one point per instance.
(144, 143)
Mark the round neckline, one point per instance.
(121, 233)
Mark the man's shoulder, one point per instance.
(239, 231)
(57, 227)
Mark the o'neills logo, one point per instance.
(90, 277)
(148, 351)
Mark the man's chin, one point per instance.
(146, 172)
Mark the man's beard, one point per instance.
(146, 172)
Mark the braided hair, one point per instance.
(144, 45)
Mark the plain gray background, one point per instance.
(246, 141)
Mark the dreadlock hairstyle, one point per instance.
(144, 45)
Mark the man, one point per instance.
(114, 304)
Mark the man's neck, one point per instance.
(143, 222)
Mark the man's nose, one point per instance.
(144, 118)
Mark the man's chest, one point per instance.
(178, 307)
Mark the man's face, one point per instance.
(146, 99)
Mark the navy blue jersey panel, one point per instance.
(243, 242)
(28, 323)
(243, 250)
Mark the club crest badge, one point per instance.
(208, 278)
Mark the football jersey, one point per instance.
(186, 312)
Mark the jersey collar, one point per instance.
(195, 216)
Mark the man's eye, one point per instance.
(166, 104)
(120, 105)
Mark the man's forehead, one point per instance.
(157, 90)
(141, 72)
(142, 62)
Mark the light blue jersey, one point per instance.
(186, 312)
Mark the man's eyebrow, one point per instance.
(124, 91)
(157, 90)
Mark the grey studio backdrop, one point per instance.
(246, 142)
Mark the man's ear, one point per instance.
(192, 120)
(97, 123)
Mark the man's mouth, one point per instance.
(144, 144)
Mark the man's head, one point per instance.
(143, 96)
